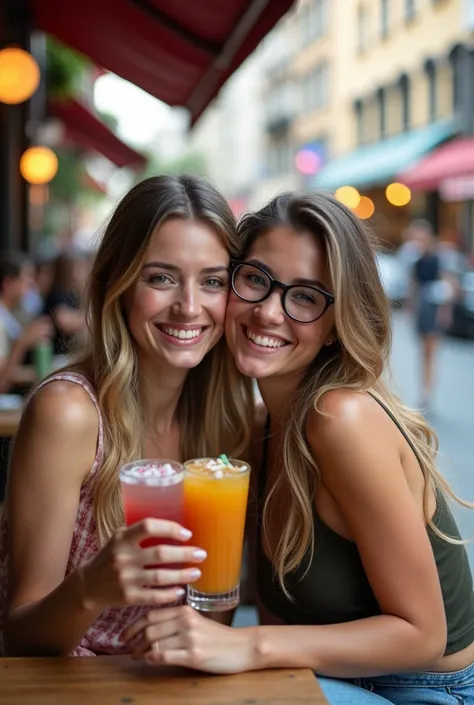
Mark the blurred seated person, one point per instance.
(64, 303)
(34, 299)
(16, 339)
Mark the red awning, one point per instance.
(85, 129)
(180, 51)
(453, 159)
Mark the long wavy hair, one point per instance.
(357, 361)
(215, 407)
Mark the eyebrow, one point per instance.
(175, 268)
(299, 280)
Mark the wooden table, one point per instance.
(117, 680)
(9, 422)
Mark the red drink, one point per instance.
(153, 489)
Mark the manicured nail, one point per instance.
(185, 533)
(180, 592)
(200, 554)
(194, 573)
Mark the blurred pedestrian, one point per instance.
(64, 302)
(16, 339)
(432, 294)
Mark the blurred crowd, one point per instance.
(41, 304)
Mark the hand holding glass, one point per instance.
(153, 489)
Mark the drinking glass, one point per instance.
(215, 506)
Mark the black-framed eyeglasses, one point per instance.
(301, 302)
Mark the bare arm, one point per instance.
(69, 320)
(361, 467)
(35, 332)
(53, 453)
(49, 613)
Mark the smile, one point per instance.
(265, 341)
(183, 336)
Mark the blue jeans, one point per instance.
(454, 688)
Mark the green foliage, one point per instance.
(68, 182)
(189, 163)
(65, 69)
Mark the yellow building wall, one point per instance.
(433, 32)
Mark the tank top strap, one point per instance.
(80, 379)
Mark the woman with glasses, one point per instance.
(361, 571)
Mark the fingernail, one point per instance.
(194, 573)
(180, 592)
(185, 533)
(200, 554)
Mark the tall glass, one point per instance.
(215, 501)
(153, 489)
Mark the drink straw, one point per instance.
(224, 459)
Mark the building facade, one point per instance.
(353, 92)
(404, 86)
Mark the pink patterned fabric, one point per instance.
(102, 637)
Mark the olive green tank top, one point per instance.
(335, 588)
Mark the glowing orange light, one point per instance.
(398, 194)
(38, 165)
(365, 209)
(348, 195)
(19, 75)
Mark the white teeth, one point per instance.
(182, 334)
(265, 342)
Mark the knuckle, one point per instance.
(148, 633)
(159, 557)
(118, 535)
(148, 525)
(188, 616)
(196, 654)
(151, 617)
(117, 562)
(158, 577)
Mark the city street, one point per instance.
(452, 415)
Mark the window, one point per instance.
(431, 75)
(405, 91)
(381, 100)
(410, 10)
(315, 87)
(314, 19)
(384, 18)
(359, 111)
(362, 28)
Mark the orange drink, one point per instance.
(215, 505)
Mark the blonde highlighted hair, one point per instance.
(356, 362)
(215, 406)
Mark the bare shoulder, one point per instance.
(61, 407)
(347, 420)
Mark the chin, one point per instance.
(252, 368)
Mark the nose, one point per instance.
(270, 311)
(188, 303)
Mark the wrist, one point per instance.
(260, 648)
(83, 583)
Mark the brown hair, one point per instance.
(356, 362)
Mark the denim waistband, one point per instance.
(431, 680)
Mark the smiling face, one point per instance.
(264, 341)
(176, 308)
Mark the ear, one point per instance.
(331, 339)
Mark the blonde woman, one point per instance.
(361, 571)
(144, 388)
